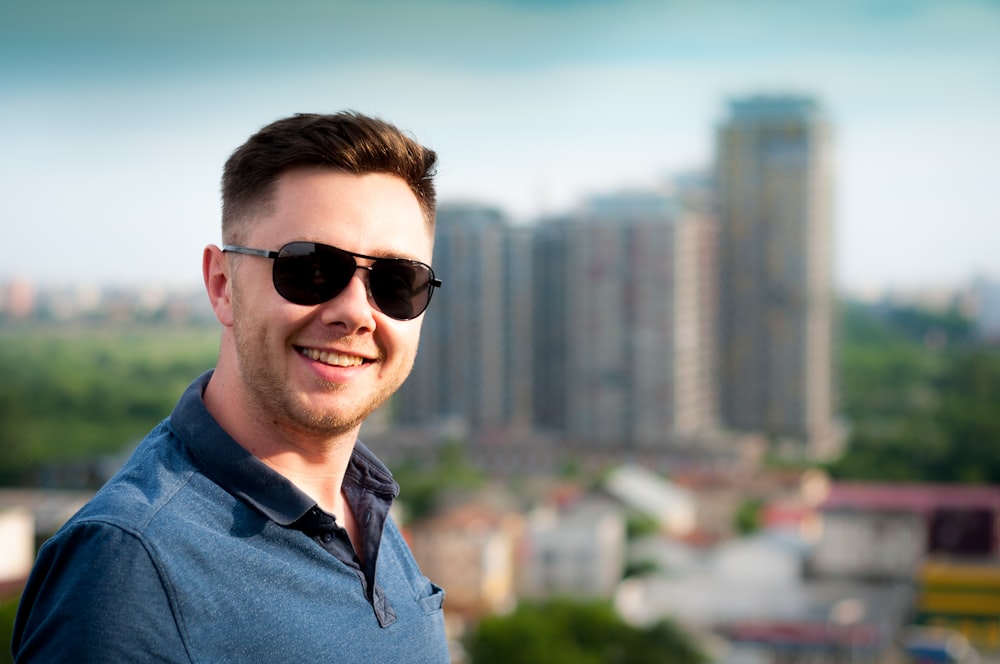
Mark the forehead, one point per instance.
(375, 213)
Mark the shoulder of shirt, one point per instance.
(148, 483)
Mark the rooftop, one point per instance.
(920, 498)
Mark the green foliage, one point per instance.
(571, 469)
(639, 525)
(72, 394)
(424, 480)
(920, 398)
(747, 518)
(641, 568)
(8, 609)
(564, 631)
(969, 411)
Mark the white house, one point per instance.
(749, 578)
(885, 531)
(639, 489)
(575, 551)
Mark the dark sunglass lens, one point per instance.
(401, 289)
(308, 273)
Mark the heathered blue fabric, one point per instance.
(198, 552)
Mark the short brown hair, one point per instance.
(347, 141)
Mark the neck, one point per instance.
(321, 480)
(313, 463)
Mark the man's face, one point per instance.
(321, 370)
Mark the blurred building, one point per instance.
(18, 299)
(753, 578)
(986, 314)
(574, 550)
(28, 517)
(964, 596)
(598, 327)
(637, 323)
(473, 367)
(774, 178)
(640, 490)
(625, 323)
(874, 531)
(17, 532)
(469, 550)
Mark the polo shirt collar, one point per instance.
(243, 475)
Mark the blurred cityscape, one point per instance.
(621, 376)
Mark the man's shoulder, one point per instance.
(156, 477)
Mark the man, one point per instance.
(251, 525)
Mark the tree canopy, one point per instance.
(564, 631)
(73, 393)
(920, 397)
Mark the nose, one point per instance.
(352, 308)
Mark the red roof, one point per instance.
(919, 498)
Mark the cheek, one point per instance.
(259, 332)
(403, 342)
(257, 304)
(413, 334)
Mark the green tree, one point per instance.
(8, 608)
(639, 524)
(424, 480)
(747, 518)
(70, 394)
(920, 398)
(564, 631)
(969, 412)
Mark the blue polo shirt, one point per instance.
(196, 551)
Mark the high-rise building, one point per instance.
(473, 365)
(774, 180)
(986, 314)
(624, 335)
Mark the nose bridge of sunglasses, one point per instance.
(366, 280)
(344, 264)
(364, 276)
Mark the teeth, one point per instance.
(334, 359)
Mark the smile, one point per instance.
(331, 358)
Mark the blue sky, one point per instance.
(116, 117)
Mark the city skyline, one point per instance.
(116, 118)
(597, 327)
(645, 323)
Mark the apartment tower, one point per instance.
(774, 177)
(624, 324)
(473, 365)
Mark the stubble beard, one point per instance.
(271, 400)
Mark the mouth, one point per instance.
(332, 358)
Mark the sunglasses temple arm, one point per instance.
(263, 253)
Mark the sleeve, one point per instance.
(96, 595)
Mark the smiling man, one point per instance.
(252, 525)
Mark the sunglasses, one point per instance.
(309, 273)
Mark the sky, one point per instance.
(116, 116)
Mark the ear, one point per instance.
(215, 270)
